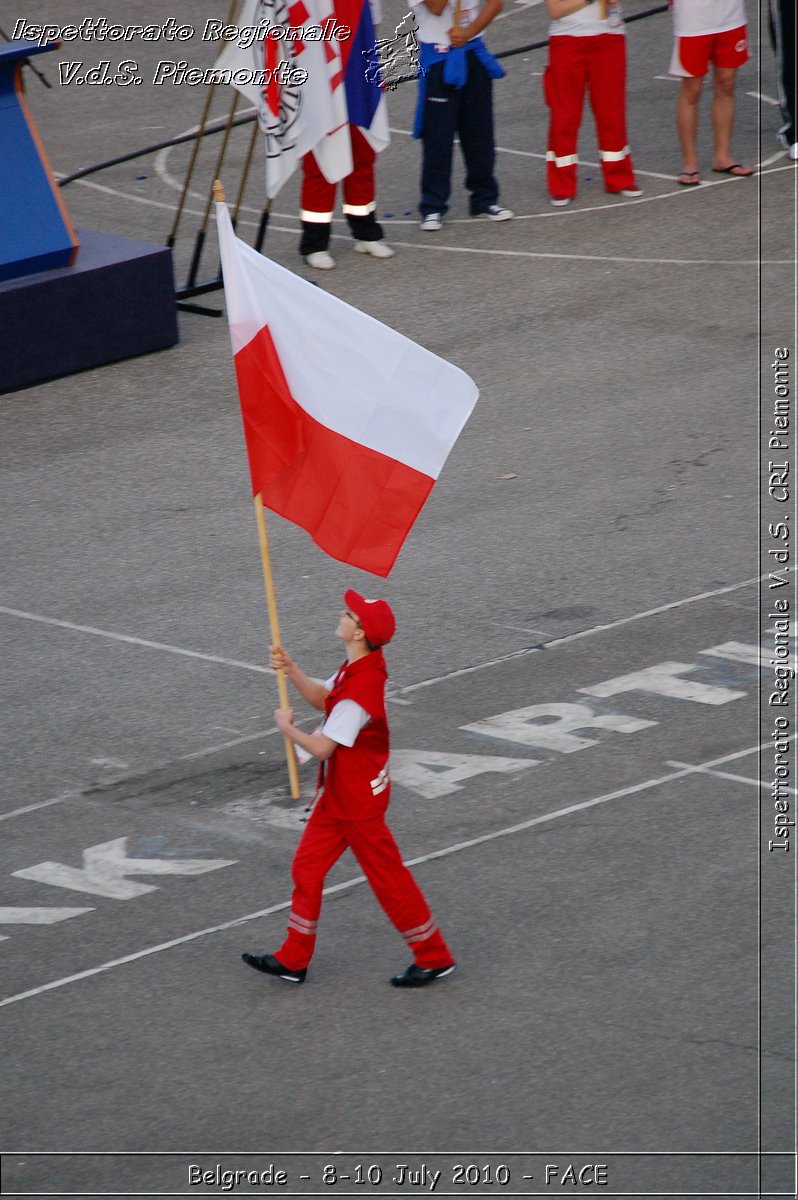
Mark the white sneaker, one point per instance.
(793, 151)
(561, 202)
(375, 249)
(432, 223)
(496, 213)
(321, 260)
(633, 192)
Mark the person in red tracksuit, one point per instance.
(317, 197)
(317, 202)
(587, 52)
(354, 789)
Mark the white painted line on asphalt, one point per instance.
(398, 696)
(765, 99)
(652, 612)
(244, 666)
(582, 162)
(725, 775)
(18, 812)
(521, 629)
(239, 741)
(444, 852)
(583, 633)
(775, 157)
(135, 641)
(547, 214)
(539, 255)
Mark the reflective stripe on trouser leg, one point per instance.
(359, 190)
(321, 845)
(400, 897)
(359, 210)
(564, 90)
(607, 74)
(316, 204)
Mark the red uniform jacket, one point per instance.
(356, 784)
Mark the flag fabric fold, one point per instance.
(347, 423)
(294, 116)
(365, 101)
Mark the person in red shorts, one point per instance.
(352, 745)
(708, 31)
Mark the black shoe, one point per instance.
(416, 976)
(269, 964)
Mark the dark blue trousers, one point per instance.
(782, 37)
(467, 111)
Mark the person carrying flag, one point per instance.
(368, 134)
(352, 745)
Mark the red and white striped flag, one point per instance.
(347, 422)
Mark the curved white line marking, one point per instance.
(294, 230)
(166, 177)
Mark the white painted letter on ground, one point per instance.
(663, 680)
(105, 867)
(37, 916)
(430, 773)
(551, 726)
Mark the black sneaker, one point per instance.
(269, 964)
(416, 976)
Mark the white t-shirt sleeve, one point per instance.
(345, 722)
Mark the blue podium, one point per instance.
(67, 303)
(35, 230)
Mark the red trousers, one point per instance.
(577, 63)
(317, 199)
(323, 842)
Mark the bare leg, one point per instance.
(723, 120)
(687, 122)
(723, 115)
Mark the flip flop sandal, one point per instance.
(737, 170)
(689, 179)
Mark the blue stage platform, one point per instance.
(117, 301)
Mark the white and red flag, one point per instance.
(365, 101)
(294, 116)
(347, 422)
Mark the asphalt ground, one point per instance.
(580, 691)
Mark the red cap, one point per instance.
(376, 617)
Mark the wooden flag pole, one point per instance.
(274, 625)
(271, 601)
